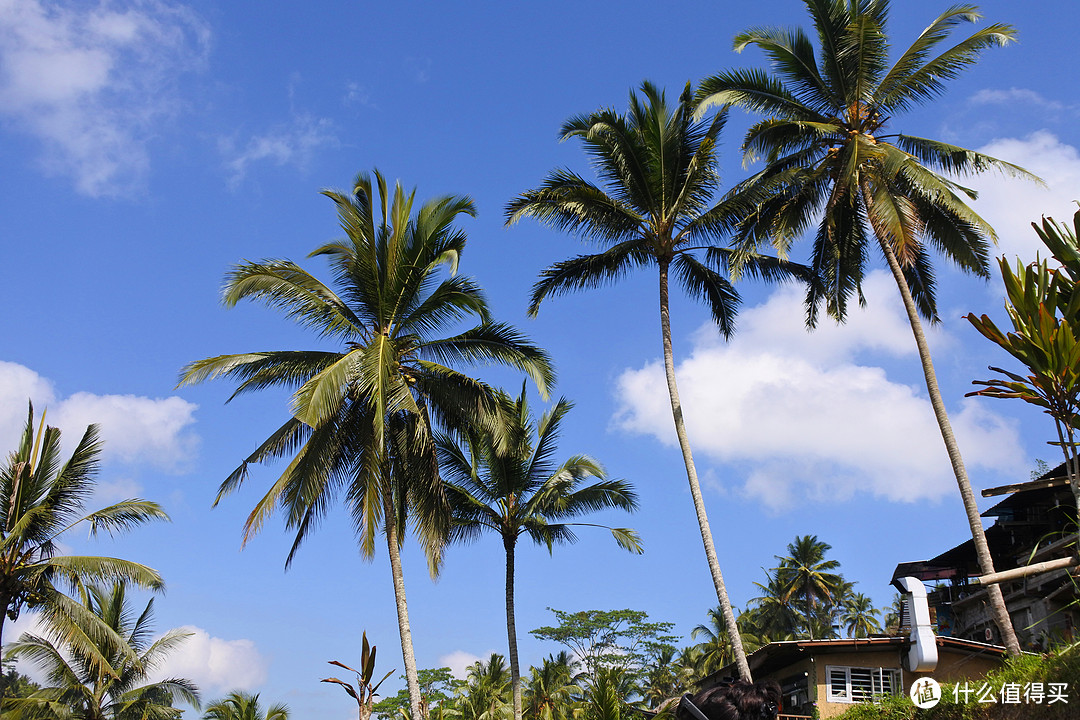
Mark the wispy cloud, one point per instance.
(813, 416)
(290, 144)
(90, 81)
(357, 95)
(1012, 96)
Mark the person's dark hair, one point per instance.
(739, 700)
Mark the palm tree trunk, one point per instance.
(511, 627)
(412, 680)
(809, 614)
(695, 486)
(982, 550)
(1068, 446)
(5, 600)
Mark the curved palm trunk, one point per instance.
(695, 486)
(412, 680)
(982, 550)
(511, 627)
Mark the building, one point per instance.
(829, 676)
(1033, 522)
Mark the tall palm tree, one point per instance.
(507, 482)
(244, 706)
(831, 160)
(77, 686)
(362, 415)
(804, 573)
(859, 616)
(659, 170)
(41, 498)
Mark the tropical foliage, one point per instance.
(244, 706)
(113, 681)
(507, 482)
(363, 416)
(41, 498)
(363, 692)
(1043, 305)
(834, 167)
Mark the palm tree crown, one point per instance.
(805, 573)
(80, 686)
(831, 158)
(244, 706)
(363, 414)
(41, 498)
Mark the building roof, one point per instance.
(776, 656)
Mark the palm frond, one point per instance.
(589, 271)
(703, 282)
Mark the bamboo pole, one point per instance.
(1027, 570)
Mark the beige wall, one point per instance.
(952, 666)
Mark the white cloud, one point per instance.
(294, 143)
(216, 665)
(459, 662)
(807, 413)
(91, 80)
(1011, 205)
(135, 430)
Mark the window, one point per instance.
(855, 684)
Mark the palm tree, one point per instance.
(362, 416)
(831, 160)
(518, 490)
(605, 695)
(664, 680)
(895, 615)
(804, 573)
(40, 500)
(660, 172)
(772, 614)
(244, 706)
(550, 689)
(484, 697)
(859, 616)
(77, 686)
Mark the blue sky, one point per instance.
(147, 146)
